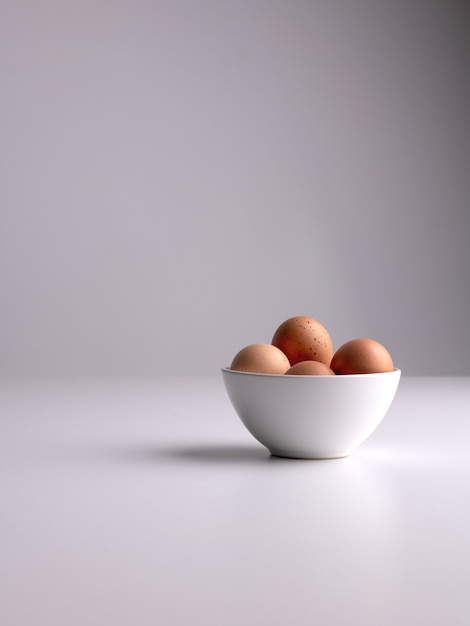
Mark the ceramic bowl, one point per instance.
(311, 417)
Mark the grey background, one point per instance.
(178, 178)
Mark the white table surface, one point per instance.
(146, 502)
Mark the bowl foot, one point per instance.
(309, 457)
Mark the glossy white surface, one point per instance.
(148, 503)
(311, 417)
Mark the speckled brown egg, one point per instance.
(310, 368)
(302, 338)
(261, 358)
(361, 356)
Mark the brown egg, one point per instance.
(261, 358)
(304, 339)
(310, 368)
(361, 356)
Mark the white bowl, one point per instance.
(311, 417)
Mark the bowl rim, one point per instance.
(228, 370)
